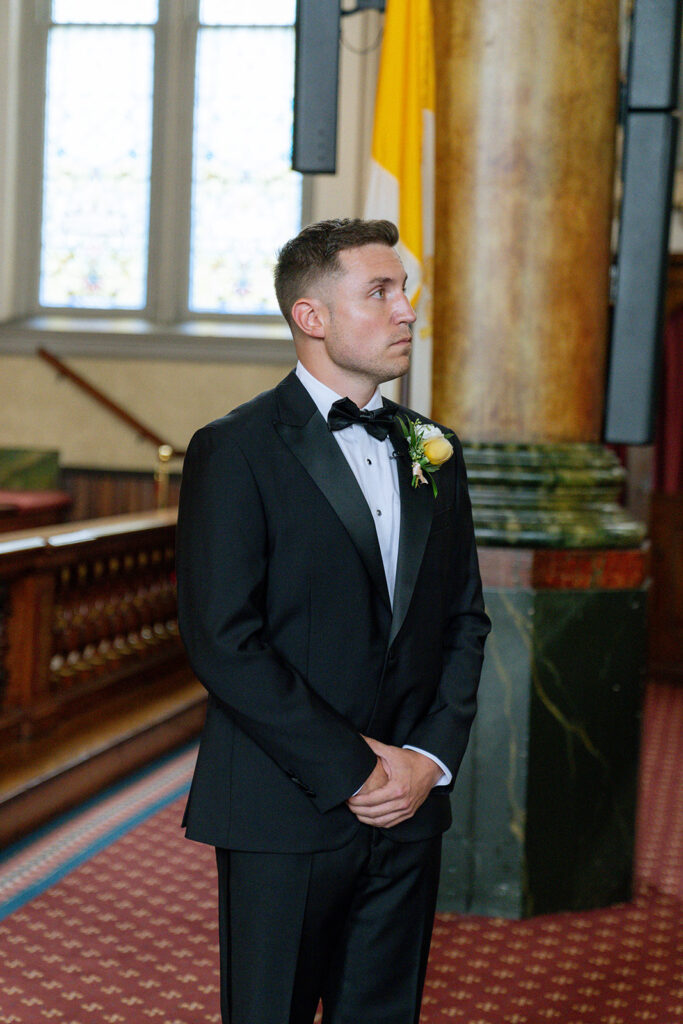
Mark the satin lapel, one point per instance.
(417, 510)
(313, 445)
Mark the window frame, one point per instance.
(165, 327)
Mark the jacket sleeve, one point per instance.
(445, 729)
(222, 568)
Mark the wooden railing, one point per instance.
(165, 452)
(86, 610)
(135, 424)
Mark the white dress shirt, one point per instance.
(375, 470)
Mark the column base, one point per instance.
(548, 495)
(544, 805)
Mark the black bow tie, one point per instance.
(344, 413)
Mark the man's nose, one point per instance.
(405, 313)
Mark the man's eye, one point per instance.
(379, 291)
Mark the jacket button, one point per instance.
(302, 785)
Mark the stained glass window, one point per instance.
(98, 134)
(246, 200)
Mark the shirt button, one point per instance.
(379, 511)
(369, 462)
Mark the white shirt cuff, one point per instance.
(446, 775)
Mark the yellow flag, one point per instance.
(401, 181)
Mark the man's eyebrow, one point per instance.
(384, 280)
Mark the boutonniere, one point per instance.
(428, 448)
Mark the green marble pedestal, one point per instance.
(544, 806)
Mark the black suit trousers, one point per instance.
(350, 926)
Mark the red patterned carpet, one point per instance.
(126, 935)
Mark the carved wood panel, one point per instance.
(85, 609)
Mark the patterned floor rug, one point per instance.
(109, 918)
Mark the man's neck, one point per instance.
(358, 389)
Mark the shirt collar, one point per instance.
(324, 397)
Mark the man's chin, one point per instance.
(395, 372)
(401, 365)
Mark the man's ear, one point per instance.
(308, 315)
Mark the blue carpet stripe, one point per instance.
(99, 798)
(145, 791)
(20, 899)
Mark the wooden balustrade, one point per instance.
(86, 610)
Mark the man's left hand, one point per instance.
(411, 776)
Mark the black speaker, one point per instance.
(650, 148)
(654, 55)
(314, 149)
(650, 131)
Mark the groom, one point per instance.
(334, 613)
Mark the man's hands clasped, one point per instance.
(400, 783)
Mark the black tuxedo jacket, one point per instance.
(285, 614)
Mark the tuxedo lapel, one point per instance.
(307, 436)
(417, 510)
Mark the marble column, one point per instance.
(526, 119)
(526, 110)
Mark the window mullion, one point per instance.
(172, 161)
(34, 29)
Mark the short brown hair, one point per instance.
(314, 254)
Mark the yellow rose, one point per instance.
(438, 450)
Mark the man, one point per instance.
(333, 611)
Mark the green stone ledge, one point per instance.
(548, 495)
